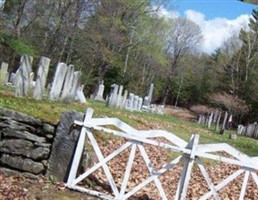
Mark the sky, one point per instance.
(218, 19)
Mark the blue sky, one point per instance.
(229, 9)
(218, 20)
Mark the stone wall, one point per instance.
(25, 144)
(31, 147)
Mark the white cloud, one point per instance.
(217, 30)
(163, 12)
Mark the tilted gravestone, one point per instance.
(80, 95)
(41, 78)
(66, 92)
(75, 84)
(64, 145)
(58, 81)
(148, 98)
(23, 79)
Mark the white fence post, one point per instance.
(79, 149)
(186, 172)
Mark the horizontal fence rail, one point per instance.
(190, 153)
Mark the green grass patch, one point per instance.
(50, 111)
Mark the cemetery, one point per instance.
(34, 148)
(137, 100)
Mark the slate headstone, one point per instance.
(64, 145)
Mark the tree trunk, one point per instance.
(165, 94)
(179, 90)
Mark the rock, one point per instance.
(13, 133)
(26, 165)
(9, 123)
(48, 145)
(20, 117)
(49, 129)
(50, 137)
(10, 172)
(24, 148)
(233, 136)
(64, 145)
(39, 153)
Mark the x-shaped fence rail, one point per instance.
(191, 152)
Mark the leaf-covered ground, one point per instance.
(41, 189)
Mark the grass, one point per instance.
(50, 111)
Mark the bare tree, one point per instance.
(183, 38)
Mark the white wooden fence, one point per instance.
(191, 153)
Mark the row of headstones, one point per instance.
(251, 130)
(132, 102)
(214, 118)
(120, 99)
(65, 86)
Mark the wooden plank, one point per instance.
(187, 169)
(207, 179)
(243, 189)
(127, 172)
(229, 149)
(151, 171)
(79, 149)
(227, 160)
(105, 167)
(144, 140)
(152, 177)
(255, 177)
(109, 121)
(223, 183)
(169, 136)
(92, 192)
(100, 164)
(182, 178)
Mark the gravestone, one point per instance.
(131, 100)
(12, 78)
(41, 78)
(218, 121)
(64, 145)
(135, 102)
(233, 136)
(210, 120)
(80, 94)
(225, 120)
(139, 106)
(75, 84)
(124, 98)
(18, 84)
(99, 96)
(68, 83)
(3, 72)
(113, 95)
(255, 135)
(148, 98)
(31, 81)
(119, 96)
(58, 81)
(23, 75)
(240, 129)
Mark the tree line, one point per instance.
(128, 42)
